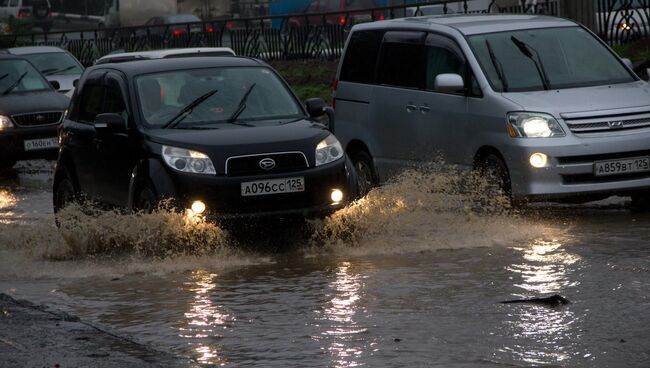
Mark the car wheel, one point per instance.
(641, 202)
(496, 173)
(64, 194)
(146, 200)
(366, 174)
(7, 164)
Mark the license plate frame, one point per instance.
(272, 186)
(40, 144)
(633, 165)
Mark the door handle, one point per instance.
(425, 109)
(410, 107)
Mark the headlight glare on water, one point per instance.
(533, 125)
(328, 150)
(184, 160)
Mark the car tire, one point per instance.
(7, 164)
(496, 173)
(366, 174)
(64, 194)
(640, 202)
(145, 200)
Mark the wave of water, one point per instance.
(422, 210)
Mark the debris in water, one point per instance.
(551, 301)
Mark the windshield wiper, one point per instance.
(526, 50)
(15, 84)
(188, 109)
(242, 105)
(3, 76)
(497, 66)
(56, 71)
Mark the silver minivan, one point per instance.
(539, 102)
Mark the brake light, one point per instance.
(210, 30)
(21, 13)
(335, 85)
(229, 25)
(381, 17)
(178, 32)
(342, 20)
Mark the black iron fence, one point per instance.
(310, 36)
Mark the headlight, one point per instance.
(188, 161)
(5, 123)
(328, 150)
(533, 125)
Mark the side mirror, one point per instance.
(628, 63)
(448, 83)
(321, 112)
(109, 123)
(75, 82)
(56, 85)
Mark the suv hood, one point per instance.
(235, 140)
(586, 99)
(32, 102)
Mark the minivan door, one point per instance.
(442, 115)
(394, 113)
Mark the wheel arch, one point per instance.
(150, 172)
(485, 151)
(355, 146)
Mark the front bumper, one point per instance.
(223, 198)
(12, 142)
(570, 168)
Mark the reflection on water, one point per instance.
(341, 320)
(544, 335)
(205, 319)
(7, 206)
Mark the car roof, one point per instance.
(10, 57)
(469, 24)
(139, 67)
(33, 50)
(160, 54)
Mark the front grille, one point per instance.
(590, 159)
(250, 165)
(574, 179)
(609, 124)
(38, 119)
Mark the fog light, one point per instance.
(538, 160)
(198, 207)
(337, 195)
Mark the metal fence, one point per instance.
(622, 21)
(296, 36)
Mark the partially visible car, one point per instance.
(172, 25)
(219, 136)
(345, 12)
(165, 54)
(30, 112)
(27, 13)
(418, 11)
(55, 63)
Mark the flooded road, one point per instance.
(411, 277)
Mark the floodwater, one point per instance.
(410, 276)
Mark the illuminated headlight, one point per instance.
(533, 125)
(5, 123)
(188, 161)
(328, 150)
(538, 160)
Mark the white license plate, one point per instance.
(39, 144)
(275, 186)
(617, 167)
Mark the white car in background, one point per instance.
(165, 54)
(56, 64)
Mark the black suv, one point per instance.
(220, 136)
(30, 111)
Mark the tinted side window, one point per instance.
(91, 103)
(361, 57)
(402, 60)
(443, 57)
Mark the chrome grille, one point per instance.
(609, 124)
(37, 119)
(250, 164)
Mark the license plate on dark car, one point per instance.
(40, 144)
(273, 186)
(626, 166)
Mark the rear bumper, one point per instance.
(223, 198)
(12, 143)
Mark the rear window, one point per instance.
(361, 57)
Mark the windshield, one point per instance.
(571, 57)
(162, 96)
(20, 76)
(55, 63)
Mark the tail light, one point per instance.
(341, 20)
(229, 25)
(21, 13)
(178, 32)
(335, 85)
(210, 30)
(382, 17)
